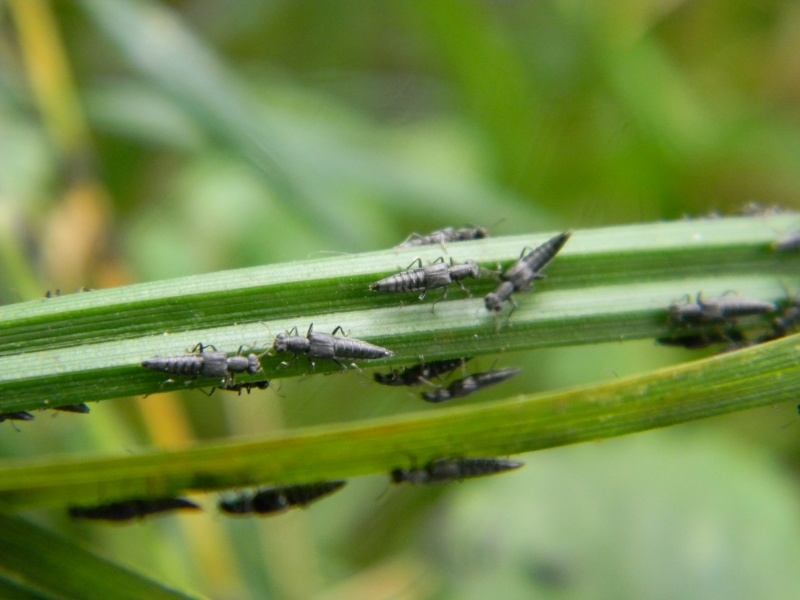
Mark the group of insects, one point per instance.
(707, 321)
(277, 500)
(693, 323)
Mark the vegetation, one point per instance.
(252, 168)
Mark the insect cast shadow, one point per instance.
(520, 276)
(128, 510)
(279, 499)
(327, 346)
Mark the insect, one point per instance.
(788, 320)
(130, 509)
(717, 310)
(206, 364)
(74, 408)
(703, 339)
(327, 345)
(445, 236)
(57, 293)
(421, 373)
(521, 275)
(278, 499)
(784, 324)
(469, 385)
(444, 470)
(787, 243)
(436, 275)
(240, 387)
(16, 416)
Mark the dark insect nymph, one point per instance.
(128, 510)
(444, 470)
(278, 499)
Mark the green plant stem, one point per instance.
(757, 376)
(607, 284)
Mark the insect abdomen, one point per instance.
(347, 348)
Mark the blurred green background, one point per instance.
(143, 140)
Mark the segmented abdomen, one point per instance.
(407, 281)
(176, 365)
(347, 348)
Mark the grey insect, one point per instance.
(445, 236)
(436, 275)
(444, 470)
(16, 416)
(206, 364)
(717, 310)
(787, 243)
(469, 385)
(278, 499)
(128, 510)
(74, 408)
(328, 346)
(421, 373)
(521, 275)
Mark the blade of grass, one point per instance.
(606, 285)
(757, 376)
(65, 570)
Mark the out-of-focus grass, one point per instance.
(387, 119)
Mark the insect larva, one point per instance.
(445, 236)
(206, 364)
(74, 408)
(278, 499)
(434, 276)
(521, 275)
(444, 470)
(16, 416)
(469, 385)
(421, 373)
(127, 510)
(328, 346)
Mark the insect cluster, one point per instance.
(277, 500)
(692, 323)
(206, 361)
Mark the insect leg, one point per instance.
(418, 261)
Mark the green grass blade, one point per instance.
(39, 564)
(758, 376)
(606, 285)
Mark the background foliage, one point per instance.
(144, 140)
